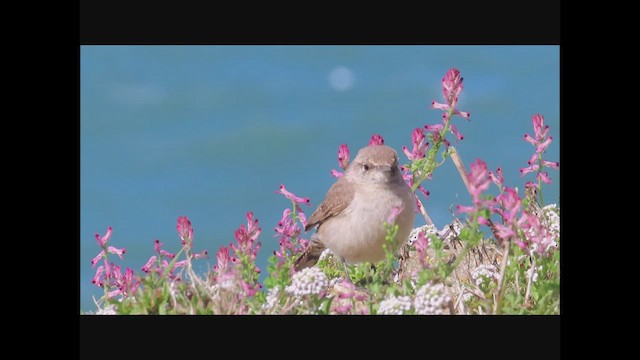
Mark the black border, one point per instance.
(462, 22)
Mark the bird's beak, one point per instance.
(385, 168)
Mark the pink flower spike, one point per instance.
(185, 230)
(343, 156)
(223, 259)
(102, 241)
(253, 229)
(478, 178)
(539, 129)
(419, 146)
(293, 197)
(336, 173)
(551, 164)
(376, 139)
(119, 252)
(147, 267)
(395, 211)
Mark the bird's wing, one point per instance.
(337, 199)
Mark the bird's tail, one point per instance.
(310, 255)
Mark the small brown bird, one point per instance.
(350, 220)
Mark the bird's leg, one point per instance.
(346, 270)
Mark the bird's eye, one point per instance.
(365, 167)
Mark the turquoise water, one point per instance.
(210, 132)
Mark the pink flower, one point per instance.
(551, 164)
(497, 177)
(345, 290)
(97, 258)
(528, 169)
(422, 245)
(96, 279)
(436, 133)
(223, 260)
(451, 88)
(504, 231)
(119, 252)
(249, 290)
(247, 247)
(544, 177)
(185, 230)
(537, 234)
(455, 132)
(419, 145)
(376, 139)
(539, 128)
(167, 254)
(201, 255)
(395, 211)
(157, 245)
(408, 178)
(478, 179)
(293, 197)
(252, 226)
(102, 241)
(343, 160)
(343, 156)
(511, 204)
(149, 265)
(541, 142)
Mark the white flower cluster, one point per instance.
(431, 299)
(272, 298)
(107, 310)
(427, 229)
(484, 271)
(553, 219)
(393, 305)
(307, 281)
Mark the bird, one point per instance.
(350, 220)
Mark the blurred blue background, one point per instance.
(210, 132)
